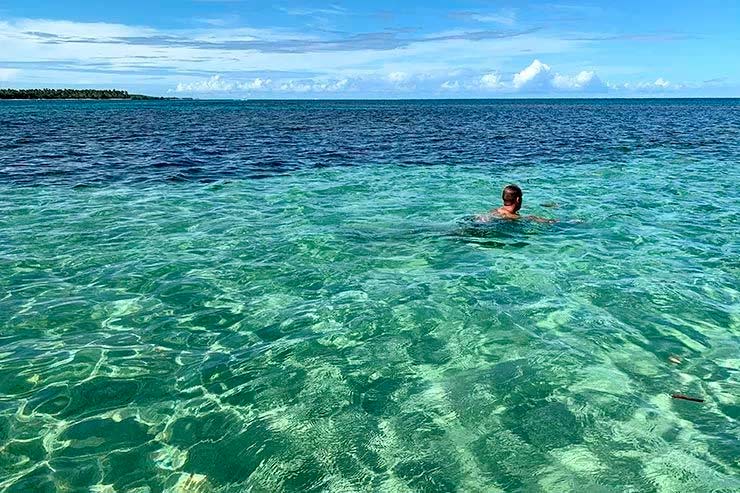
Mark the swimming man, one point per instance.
(512, 198)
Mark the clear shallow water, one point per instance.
(189, 303)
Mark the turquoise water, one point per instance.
(346, 328)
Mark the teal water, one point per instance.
(345, 328)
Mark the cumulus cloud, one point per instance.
(304, 86)
(214, 84)
(491, 81)
(217, 83)
(586, 81)
(295, 86)
(658, 85)
(331, 86)
(398, 77)
(539, 77)
(662, 83)
(256, 84)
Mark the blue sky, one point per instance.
(379, 49)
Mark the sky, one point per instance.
(375, 49)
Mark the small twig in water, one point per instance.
(686, 398)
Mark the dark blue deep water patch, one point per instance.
(83, 142)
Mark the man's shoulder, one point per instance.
(496, 214)
(506, 214)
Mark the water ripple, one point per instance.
(169, 323)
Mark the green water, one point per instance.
(344, 329)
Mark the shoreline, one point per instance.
(152, 98)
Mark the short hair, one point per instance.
(510, 194)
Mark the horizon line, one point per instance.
(245, 99)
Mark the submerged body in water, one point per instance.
(512, 202)
(493, 231)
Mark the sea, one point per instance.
(228, 296)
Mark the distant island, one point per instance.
(72, 94)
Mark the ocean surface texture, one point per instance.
(291, 296)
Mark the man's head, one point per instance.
(512, 196)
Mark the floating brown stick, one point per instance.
(686, 398)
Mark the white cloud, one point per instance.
(214, 84)
(398, 77)
(256, 84)
(450, 85)
(539, 77)
(295, 86)
(491, 81)
(330, 86)
(658, 85)
(662, 83)
(584, 81)
(340, 84)
(535, 77)
(217, 83)
(7, 74)
(303, 86)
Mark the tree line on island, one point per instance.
(71, 94)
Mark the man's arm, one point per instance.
(543, 220)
